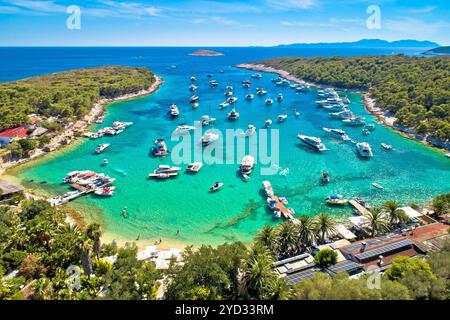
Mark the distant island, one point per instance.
(438, 51)
(205, 53)
(366, 43)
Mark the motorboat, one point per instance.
(269, 102)
(162, 175)
(355, 121)
(229, 88)
(336, 200)
(213, 83)
(313, 142)
(280, 97)
(233, 115)
(207, 120)
(386, 146)
(228, 93)
(345, 114)
(105, 191)
(183, 129)
(246, 82)
(247, 165)
(246, 86)
(249, 97)
(325, 178)
(364, 150)
(370, 127)
(224, 105)
(194, 98)
(209, 138)
(256, 76)
(232, 100)
(346, 100)
(283, 199)
(337, 133)
(173, 111)
(365, 132)
(194, 167)
(302, 89)
(297, 114)
(105, 162)
(334, 107)
(159, 149)
(282, 117)
(273, 204)
(268, 123)
(250, 130)
(268, 188)
(216, 186)
(376, 185)
(101, 148)
(195, 105)
(193, 79)
(261, 92)
(166, 169)
(193, 87)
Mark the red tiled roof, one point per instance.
(17, 132)
(429, 232)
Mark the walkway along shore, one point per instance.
(384, 117)
(66, 138)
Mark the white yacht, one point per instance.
(257, 76)
(193, 87)
(232, 100)
(249, 97)
(334, 107)
(261, 92)
(101, 148)
(345, 114)
(224, 105)
(173, 110)
(209, 138)
(280, 97)
(183, 129)
(207, 120)
(386, 146)
(337, 133)
(282, 117)
(364, 150)
(194, 98)
(355, 121)
(194, 167)
(268, 123)
(233, 115)
(193, 79)
(269, 102)
(160, 148)
(166, 169)
(195, 105)
(228, 93)
(229, 88)
(213, 83)
(247, 164)
(250, 130)
(313, 142)
(268, 188)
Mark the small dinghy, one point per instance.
(376, 185)
(216, 187)
(386, 146)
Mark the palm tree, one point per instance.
(287, 238)
(325, 225)
(396, 215)
(439, 206)
(86, 260)
(267, 237)
(377, 221)
(306, 230)
(281, 290)
(94, 233)
(259, 275)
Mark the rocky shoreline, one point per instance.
(384, 117)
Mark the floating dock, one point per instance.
(284, 211)
(359, 208)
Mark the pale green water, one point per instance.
(410, 173)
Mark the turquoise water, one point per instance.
(157, 209)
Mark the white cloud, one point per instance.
(293, 4)
(416, 27)
(428, 9)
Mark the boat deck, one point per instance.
(359, 208)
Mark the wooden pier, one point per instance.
(284, 211)
(359, 208)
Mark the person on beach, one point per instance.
(178, 232)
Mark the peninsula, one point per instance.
(438, 51)
(205, 53)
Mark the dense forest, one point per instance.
(69, 93)
(415, 89)
(38, 248)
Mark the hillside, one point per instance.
(367, 43)
(68, 94)
(415, 89)
(439, 51)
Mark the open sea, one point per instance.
(410, 173)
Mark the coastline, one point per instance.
(370, 104)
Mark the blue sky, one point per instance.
(218, 23)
